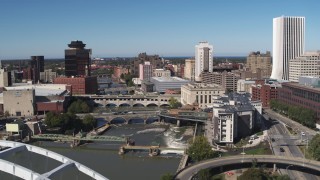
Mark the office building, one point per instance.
(203, 59)
(77, 60)
(161, 84)
(79, 85)
(47, 76)
(36, 66)
(245, 85)
(161, 73)
(189, 69)
(265, 92)
(5, 78)
(234, 117)
(145, 71)
(288, 43)
(19, 102)
(307, 64)
(228, 80)
(200, 94)
(257, 60)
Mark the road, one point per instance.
(281, 138)
(190, 171)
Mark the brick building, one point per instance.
(300, 95)
(79, 85)
(264, 92)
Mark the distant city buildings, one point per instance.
(47, 76)
(37, 66)
(161, 84)
(288, 43)
(77, 60)
(155, 61)
(308, 64)
(245, 85)
(200, 94)
(118, 70)
(228, 80)
(203, 59)
(5, 78)
(189, 69)
(257, 60)
(145, 71)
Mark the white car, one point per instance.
(303, 134)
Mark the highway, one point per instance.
(288, 142)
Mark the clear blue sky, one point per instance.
(164, 27)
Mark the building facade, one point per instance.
(5, 78)
(79, 85)
(47, 76)
(189, 69)
(37, 66)
(257, 60)
(245, 85)
(300, 95)
(161, 84)
(19, 102)
(265, 92)
(234, 116)
(307, 64)
(228, 80)
(77, 60)
(203, 59)
(200, 93)
(161, 73)
(288, 43)
(145, 71)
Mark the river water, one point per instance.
(103, 156)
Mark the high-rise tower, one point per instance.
(288, 43)
(77, 59)
(203, 59)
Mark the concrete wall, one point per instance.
(19, 102)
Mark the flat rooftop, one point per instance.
(40, 89)
(169, 79)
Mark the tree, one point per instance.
(167, 176)
(174, 103)
(200, 149)
(204, 174)
(84, 107)
(254, 174)
(314, 147)
(281, 177)
(89, 122)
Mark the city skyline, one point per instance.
(167, 28)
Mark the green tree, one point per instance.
(88, 121)
(281, 177)
(314, 147)
(200, 149)
(85, 108)
(254, 174)
(174, 103)
(167, 176)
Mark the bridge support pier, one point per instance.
(274, 167)
(178, 123)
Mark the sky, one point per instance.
(124, 28)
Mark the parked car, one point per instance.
(281, 149)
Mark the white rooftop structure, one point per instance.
(41, 89)
(161, 84)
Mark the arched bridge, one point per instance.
(24, 173)
(129, 118)
(242, 161)
(133, 101)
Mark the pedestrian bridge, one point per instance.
(24, 173)
(133, 101)
(244, 161)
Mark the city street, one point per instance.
(284, 144)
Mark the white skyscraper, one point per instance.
(288, 43)
(203, 59)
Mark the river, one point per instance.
(103, 156)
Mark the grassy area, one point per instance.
(260, 133)
(258, 151)
(304, 150)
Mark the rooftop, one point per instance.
(41, 89)
(169, 79)
(202, 85)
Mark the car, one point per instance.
(272, 140)
(281, 149)
(303, 134)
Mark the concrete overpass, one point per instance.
(24, 173)
(243, 161)
(133, 100)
